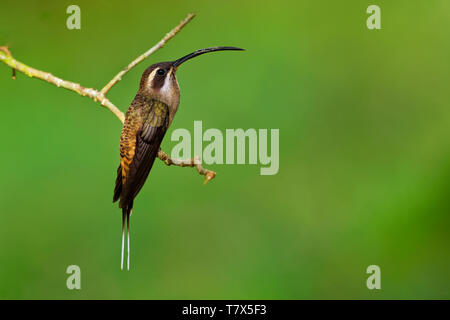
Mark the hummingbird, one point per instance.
(146, 122)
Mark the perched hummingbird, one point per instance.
(146, 122)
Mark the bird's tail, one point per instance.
(126, 213)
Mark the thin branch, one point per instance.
(9, 60)
(100, 96)
(152, 50)
(193, 162)
(6, 50)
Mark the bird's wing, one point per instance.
(138, 161)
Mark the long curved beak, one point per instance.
(199, 52)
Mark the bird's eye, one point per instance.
(161, 72)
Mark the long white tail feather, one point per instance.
(128, 261)
(123, 247)
(128, 242)
(123, 242)
(126, 216)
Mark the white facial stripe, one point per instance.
(165, 88)
(150, 78)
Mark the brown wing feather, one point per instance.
(118, 187)
(140, 144)
(147, 147)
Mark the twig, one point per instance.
(143, 56)
(193, 162)
(9, 60)
(100, 96)
(6, 50)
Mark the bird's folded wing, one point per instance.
(148, 140)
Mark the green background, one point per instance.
(364, 174)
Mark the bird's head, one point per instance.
(159, 80)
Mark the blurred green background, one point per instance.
(364, 174)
